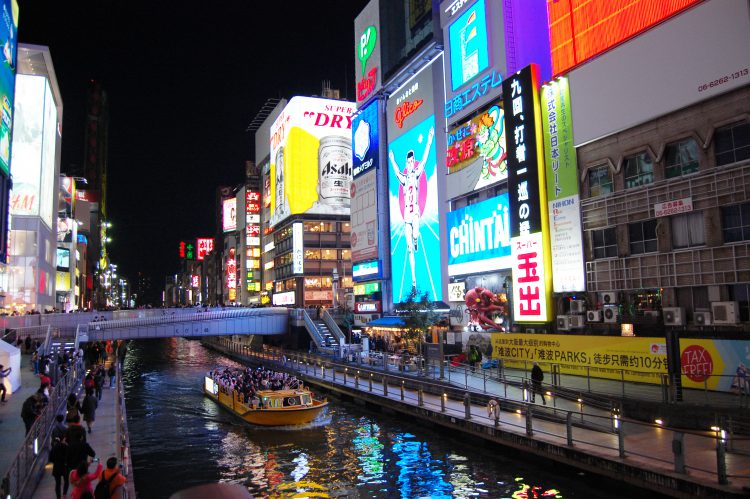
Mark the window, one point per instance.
(600, 181)
(681, 158)
(642, 237)
(735, 222)
(472, 199)
(741, 294)
(732, 143)
(688, 230)
(639, 170)
(693, 299)
(604, 243)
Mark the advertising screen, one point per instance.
(532, 276)
(412, 188)
(479, 237)
(66, 201)
(405, 28)
(582, 29)
(229, 214)
(26, 163)
(476, 155)
(8, 38)
(566, 239)
(722, 365)
(367, 70)
(364, 237)
(49, 146)
(63, 258)
(311, 158)
(468, 45)
(205, 246)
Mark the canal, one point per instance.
(179, 438)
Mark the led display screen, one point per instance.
(469, 45)
(412, 188)
(26, 161)
(8, 38)
(205, 246)
(311, 158)
(367, 70)
(63, 258)
(582, 29)
(479, 237)
(229, 214)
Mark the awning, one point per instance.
(395, 322)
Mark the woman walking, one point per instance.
(81, 480)
(88, 407)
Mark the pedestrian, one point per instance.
(112, 373)
(29, 412)
(74, 409)
(112, 477)
(35, 362)
(3, 374)
(57, 457)
(537, 376)
(79, 450)
(59, 429)
(89, 406)
(81, 479)
(98, 382)
(27, 344)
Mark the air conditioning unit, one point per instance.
(594, 316)
(609, 298)
(725, 312)
(577, 306)
(702, 318)
(610, 313)
(576, 321)
(563, 322)
(674, 316)
(654, 314)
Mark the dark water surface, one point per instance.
(179, 438)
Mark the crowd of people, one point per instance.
(248, 382)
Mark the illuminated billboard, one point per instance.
(311, 158)
(532, 276)
(364, 207)
(205, 246)
(468, 45)
(229, 214)
(412, 188)
(405, 27)
(34, 146)
(8, 38)
(582, 29)
(479, 237)
(367, 70)
(566, 237)
(476, 156)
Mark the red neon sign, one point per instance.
(405, 110)
(367, 84)
(582, 29)
(205, 246)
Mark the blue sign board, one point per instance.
(366, 271)
(365, 141)
(479, 237)
(469, 45)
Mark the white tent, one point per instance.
(10, 356)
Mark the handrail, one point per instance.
(312, 329)
(332, 326)
(183, 317)
(16, 479)
(123, 436)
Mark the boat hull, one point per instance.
(268, 417)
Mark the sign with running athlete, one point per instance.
(412, 187)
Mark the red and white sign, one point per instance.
(319, 296)
(196, 281)
(252, 202)
(529, 300)
(286, 298)
(205, 246)
(683, 205)
(231, 273)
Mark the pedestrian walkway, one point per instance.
(12, 429)
(103, 439)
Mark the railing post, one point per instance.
(402, 390)
(442, 402)
(385, 386)
(529, 422)
(346, 370)
(370, 382)
(621, 440)
(678, 451)
(467, 405)
(484, 376)
(356, 381)
(588, 377)
(721, 458)
(569, 427)
(420, 397)
(622, 381)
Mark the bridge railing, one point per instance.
(311, 328)
(169, 318)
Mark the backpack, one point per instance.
(102, 488)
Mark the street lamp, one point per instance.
(335, 281)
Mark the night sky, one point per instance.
(184, 79)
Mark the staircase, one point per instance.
(329, 340)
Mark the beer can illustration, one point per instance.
(335, 163)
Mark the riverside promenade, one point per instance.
(667, 460)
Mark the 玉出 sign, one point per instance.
(298, 258)
(675, 207)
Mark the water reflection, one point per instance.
(179, 434)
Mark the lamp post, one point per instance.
(335, 281)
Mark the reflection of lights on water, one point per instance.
(418, 472)
(369, 451)
(299, 472)
(534, 492)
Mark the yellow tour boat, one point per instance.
(275, 408)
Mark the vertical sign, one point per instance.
(367, 50)
(298, 257)
(8, 32)
(364, 235)
(528, 205)
(566, 241)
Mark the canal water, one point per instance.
(179, 438)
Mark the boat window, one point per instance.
(306, 400)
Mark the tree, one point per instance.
(418, 314)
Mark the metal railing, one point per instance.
(332, 326)
(199, 315)
(312, 328)
(672, 450)
(16, 480)
(122, 435)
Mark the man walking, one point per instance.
(409, 181)
(537, 376)
(3, 374)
